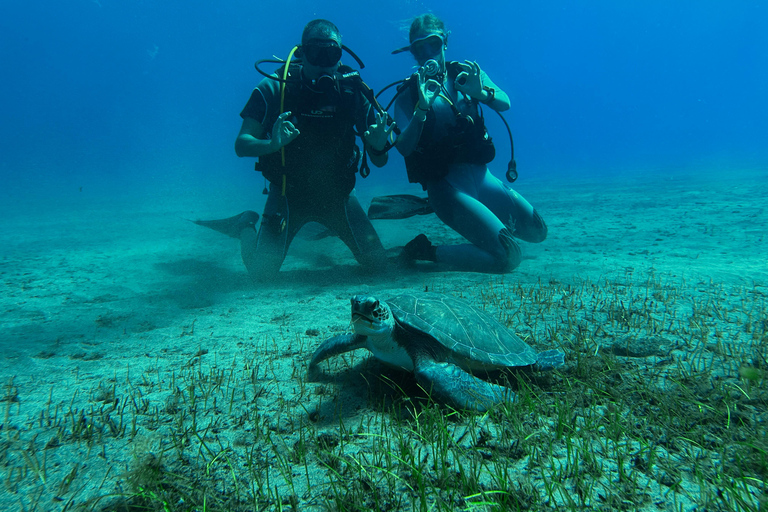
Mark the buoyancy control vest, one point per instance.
(323, 158)
(466, 140)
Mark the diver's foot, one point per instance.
(420, 248)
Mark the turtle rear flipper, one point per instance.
(549, 360)
(463, 390)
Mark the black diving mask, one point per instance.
(322, 55)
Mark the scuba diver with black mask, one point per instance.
(301, 123)
(447, 149)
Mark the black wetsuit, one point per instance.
(314, 180)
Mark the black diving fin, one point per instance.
(232, 226)
(398, 206)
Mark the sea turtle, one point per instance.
(442, 340)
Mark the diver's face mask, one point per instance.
(323, 57)
(323, 54)
(426, 48)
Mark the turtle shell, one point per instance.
(462, 329)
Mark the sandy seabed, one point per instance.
(141, 368)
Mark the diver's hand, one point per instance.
(429, 90)
(469, 81)
(283, 132)
(377, 135)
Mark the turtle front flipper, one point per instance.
(337, 345)
(450, 383)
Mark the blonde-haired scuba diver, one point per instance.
(447, 149)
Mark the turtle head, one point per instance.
(371, 317)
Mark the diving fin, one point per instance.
(398, 206)
(233, 225)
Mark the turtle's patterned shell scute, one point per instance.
(462, 329)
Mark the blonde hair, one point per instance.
(427, 22)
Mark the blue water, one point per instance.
(117, 123)
(112, 98)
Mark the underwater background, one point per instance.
(106, 99)
(141, 369)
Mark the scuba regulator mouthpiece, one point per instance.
(324, 84)
(431, 68)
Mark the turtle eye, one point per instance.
(376, 310)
